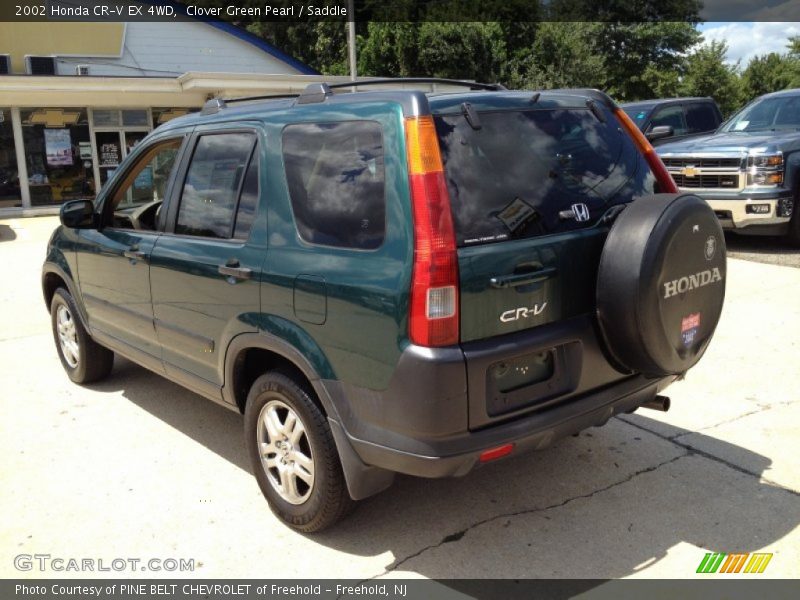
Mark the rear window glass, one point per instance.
(537, 172)
(336, 182)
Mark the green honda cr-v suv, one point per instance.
(391, 281)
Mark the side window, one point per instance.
(335, 174)
(211, 189)
(136, 201)
(671, 115)
(700, 117)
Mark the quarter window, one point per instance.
(212, 185)
(335, 174)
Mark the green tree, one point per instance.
(768, 73)
(630, 61)
(321, 45)
(641, 56)
(389, 50)
(643, 43)
(707, 74)
(563, 55)
(462, 50)
(794, 46)
(468, 50)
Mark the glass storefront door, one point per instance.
(109, 153)
(116, 133)
(112, 147)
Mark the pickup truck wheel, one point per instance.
(293, 454)
(661, 284)
(83, 359)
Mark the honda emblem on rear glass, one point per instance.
(581, 212)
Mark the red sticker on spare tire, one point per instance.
(690, 322)
(689, 328)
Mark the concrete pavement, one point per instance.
(138, 467)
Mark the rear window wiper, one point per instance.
(471, 115)
(596, 110)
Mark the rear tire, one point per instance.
(83, 359)
(293, 454)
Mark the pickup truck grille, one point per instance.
(707, 181)
(714, 173)
(731, 163)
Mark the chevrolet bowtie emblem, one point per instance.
(689, 171)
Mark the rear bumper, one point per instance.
(458, 456)
(434, 420)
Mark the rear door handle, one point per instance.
(518, 279)
(232, 269)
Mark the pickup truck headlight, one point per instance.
(765, 170)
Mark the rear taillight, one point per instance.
(433, 312)
(665, 182)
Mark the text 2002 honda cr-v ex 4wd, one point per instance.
(391, 281)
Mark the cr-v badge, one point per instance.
(523, 312)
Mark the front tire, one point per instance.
(83, 359)
(293, 454)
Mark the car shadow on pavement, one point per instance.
(605, 504)
(758, 245)
(7, 234)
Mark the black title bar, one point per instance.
(297, 11)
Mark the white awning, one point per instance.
(189, 90)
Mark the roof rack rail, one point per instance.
(214, 105)
(317, 92)
(474, 85)
(266, 97)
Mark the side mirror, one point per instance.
(660, 132)
(78, 214)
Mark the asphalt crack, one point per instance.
(761, 408)
(688, 451)
(456, 536)
(692, 451)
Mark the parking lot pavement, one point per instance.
(769, 250)
(138, 467)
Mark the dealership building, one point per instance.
(76, 97)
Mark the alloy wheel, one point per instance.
(285, 452)
(67, 336)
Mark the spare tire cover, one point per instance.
(661, 284)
